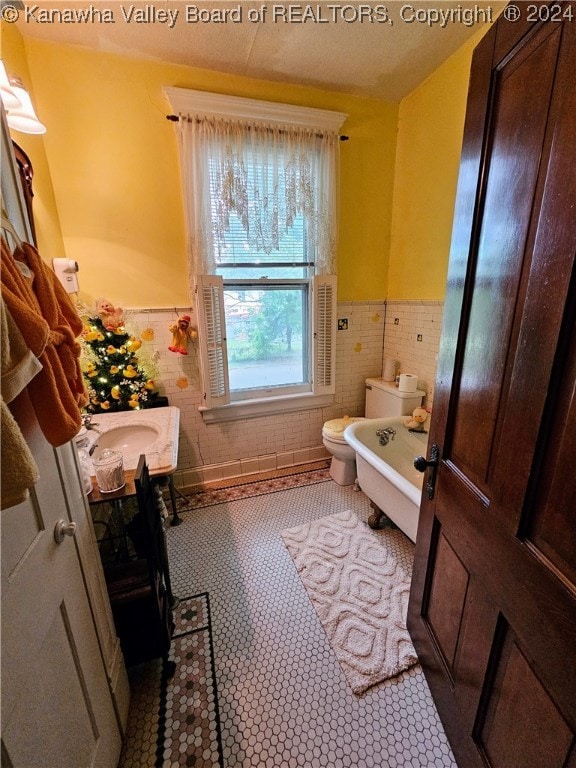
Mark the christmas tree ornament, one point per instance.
(181, 332)
(90, 335)
(130, 372)
(112, 317)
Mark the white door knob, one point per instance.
(62, 529)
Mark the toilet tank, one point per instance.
(383, 398)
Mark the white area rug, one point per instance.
(360, 593)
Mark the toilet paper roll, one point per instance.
(408, 382)
(389, 371)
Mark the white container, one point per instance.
(389, 369)
(109, 471)
(383, 399)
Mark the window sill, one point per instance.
(251, 409)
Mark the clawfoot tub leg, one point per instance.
(375, 520)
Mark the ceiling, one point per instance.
(346, 47)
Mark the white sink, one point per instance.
(153, 432)
(132, 439)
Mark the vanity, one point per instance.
(129, 525)
(153, 432)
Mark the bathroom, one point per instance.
(122, 220)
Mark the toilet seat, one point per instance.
(334, 429)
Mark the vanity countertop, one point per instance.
(162, 454)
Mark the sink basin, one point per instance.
(153, 432)
(133, 439)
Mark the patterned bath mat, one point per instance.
(360, 592)
(189, 723)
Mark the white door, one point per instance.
(57, 708)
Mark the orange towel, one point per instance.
(48, 321)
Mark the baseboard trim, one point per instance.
(210, 473)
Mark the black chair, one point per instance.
(139, 589)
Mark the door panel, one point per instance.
(514, 700)
(524, 91)
(57, 708)
(53, 692)
(447, 599)
(493, 603)
(549, 518)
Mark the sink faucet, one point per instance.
(87, 421)
(385, 435)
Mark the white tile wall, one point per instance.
(218, 451)
(405, 322)
(376, 330)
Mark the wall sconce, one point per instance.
(9, 98)
(20, 113)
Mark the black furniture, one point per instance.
(138, 577)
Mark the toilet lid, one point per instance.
(334, 429)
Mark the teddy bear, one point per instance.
(417, 420)
(181, 331)
(112, 317)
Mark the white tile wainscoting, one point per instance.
(211, 452)
(412, 336)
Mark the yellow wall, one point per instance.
(116, 174)
(430, 128)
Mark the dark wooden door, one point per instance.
(493, 604)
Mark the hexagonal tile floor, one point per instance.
(256, 681)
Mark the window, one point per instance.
(260, 195)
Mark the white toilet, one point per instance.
(383, 399)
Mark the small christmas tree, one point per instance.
(114, 377)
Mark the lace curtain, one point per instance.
(264, 174)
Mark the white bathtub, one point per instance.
(386, 473)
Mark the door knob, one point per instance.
(63, 529)
(422, 464)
